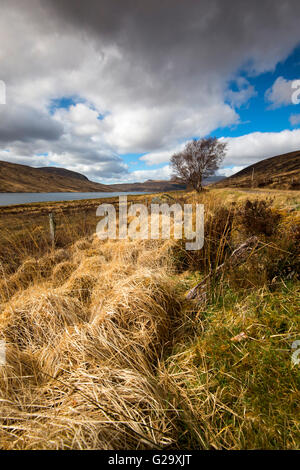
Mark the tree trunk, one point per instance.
(199, 186)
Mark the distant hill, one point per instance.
(280, 172)
(16, 178)
(150, 185)
(63, 172)
(159, 185)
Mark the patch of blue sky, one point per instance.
(102, 116)
(64, 102)
(257, 115)
(133, 159)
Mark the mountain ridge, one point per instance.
(63, 172)
(278, 172)
(15, 178)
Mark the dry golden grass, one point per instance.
(104, 352)
(82, 354)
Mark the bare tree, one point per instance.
(199, 159)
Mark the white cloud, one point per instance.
(254, 147)
(242, 151)
(163, 156)
(140, 176)
(163, 173)
(295, 119)
(229, 171)
(280, 93)
(243, 95)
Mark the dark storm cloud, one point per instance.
(157, 70)
(19, 123)
(107, 170)
(188, 36)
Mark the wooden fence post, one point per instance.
(52, 229)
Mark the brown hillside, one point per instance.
(16, 178)
(63, 172)
(25, 179)
(280, 172)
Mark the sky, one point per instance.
(112, 89)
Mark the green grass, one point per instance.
(243, 395)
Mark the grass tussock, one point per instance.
(104, 351)
(90, 347)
